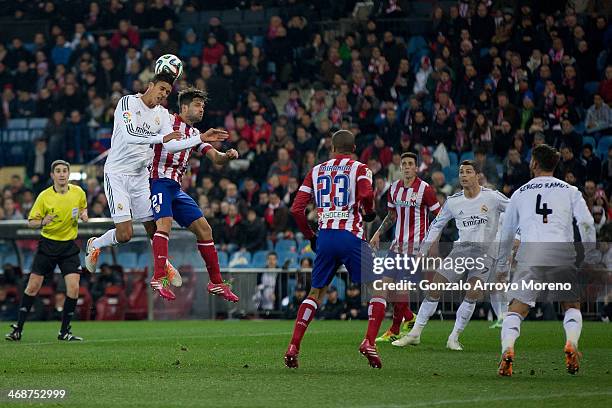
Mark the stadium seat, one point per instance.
(466, 156)
(259, 259)
(37, 123)
(453, 159)
(113, 305)
(340, 285)
(286, 245)
(128, 260)
(181, 307)
(602, 147)
(233, 17)
(19, 123)
(143, 259)
(105, 257)
(589, 140)
(450, 172)
(240, 259)
(84, 303)
(137, 301)
(415, 44)
(223, 259)
(590, 88)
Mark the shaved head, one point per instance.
(343, 142)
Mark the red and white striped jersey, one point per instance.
(167, 164)
(412, 205)
(340, 187)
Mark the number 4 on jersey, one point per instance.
(542, 209)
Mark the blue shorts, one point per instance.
(168, 200)
(340, 247)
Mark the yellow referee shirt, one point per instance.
(66, 208)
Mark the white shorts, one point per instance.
(527, 278)
(129, 197)
(456, 270)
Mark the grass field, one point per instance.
(239, 364)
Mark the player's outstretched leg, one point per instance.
(511, 330)
(572, 323)
(160, 259)
(427, 309)
(305, 315)
(216, 286)
(376, 315)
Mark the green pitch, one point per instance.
(240, 364)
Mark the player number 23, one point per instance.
(324, 190)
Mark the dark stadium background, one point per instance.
(446, 80)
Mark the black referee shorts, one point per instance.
(50, 254)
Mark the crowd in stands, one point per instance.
(485, 80)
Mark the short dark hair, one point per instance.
(547, 157)
(186, 96)
(59, 163)
(343, 141)
(410, 155)
(164, 77)
(472, 163)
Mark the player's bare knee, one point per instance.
(201, 229)
(433, 295)
(519, 307)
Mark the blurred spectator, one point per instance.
(283, 167)
(265, 298)
(516, 172)
(355, 306)
(253, 233)
(107, 277)
(299, 294)
(333, 308)
(599, 116)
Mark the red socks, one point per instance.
(376, 315)
(399, 311)
(160, 254)
(305, 314)
(209, 254)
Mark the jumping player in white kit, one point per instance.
(139, 122)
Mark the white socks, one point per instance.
(464, 314)
(499, 304)
(511, 330)
(106, 240)
(572, 323)
(427, 309)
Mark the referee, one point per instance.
(56, 211)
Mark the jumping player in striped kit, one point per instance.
(169, 201)
(341, 188)
(410, 201)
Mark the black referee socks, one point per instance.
(69, 306)
(26, 304)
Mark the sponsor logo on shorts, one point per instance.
(157, 209)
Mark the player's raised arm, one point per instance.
(302, 198)
(435, 229)
(211, 135)
(216, 156)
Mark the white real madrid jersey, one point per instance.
(136, 127)
(477, 220)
